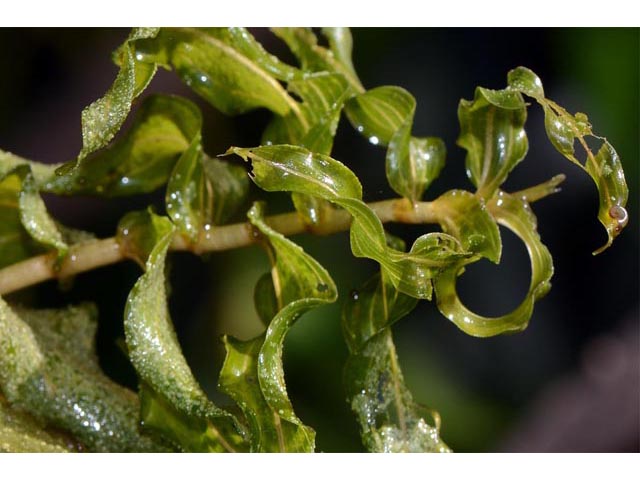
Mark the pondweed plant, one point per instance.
(55, 397)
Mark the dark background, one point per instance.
(570, 382)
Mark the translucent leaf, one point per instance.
(374, 306)
(389, 419)
(228, 71)
(188, 418)
(103, 118)
(515, 214)
(49, 368)
(315, 58)
(298, 283)
(341, 44)
(24, 216)
(384, 115)
(465, 217)
(227, 185)
(15, 242)
(492, 133)
(605, 168)
(21, 433)
(323, 96)
(295, 169)
(142, 159)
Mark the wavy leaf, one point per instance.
(189, 419)
(48, 367)
(384, 115)
(462, 215)
(389, 419)
(295, 169)
(303, 43)
(605, 168)
(24, 215)
(372, 308)
(323, 96)
(228, 72)
(143, 158)
(492, 132)
(516, 215)
(103, 118)
(299, 283)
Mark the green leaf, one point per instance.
(341, 45)
(605, 168)
(228, 72)
(315, 58)
(298, 284)
(295, 169)
(372, 308)
(227, 185)
(385, 116)
(492, 133)
(142, 159)
(21, 433)
(34, 215)
(323, 96)
(24, 215)
(193, 422)
(514, 214)
(103, 118)
(462, 215)
(48, 367)
(15, 242)
(389, 419)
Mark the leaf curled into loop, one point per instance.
(515, 214)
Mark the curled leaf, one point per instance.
(316, 58)
(229, 71)
(384, 115)
(295, 169)
(187, 417)
(24, 217)
(142, 159)
(298, 283)
(103, 118)
(492, 132)
(604, 167)
(48, 367)
(323, 96)
(515, 214)
(390, 420)
(466, 218)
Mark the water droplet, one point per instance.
(124, 180)
(374, 140)
(354, 294)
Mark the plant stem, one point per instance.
(98, 253)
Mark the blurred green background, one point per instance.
(570, 382)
